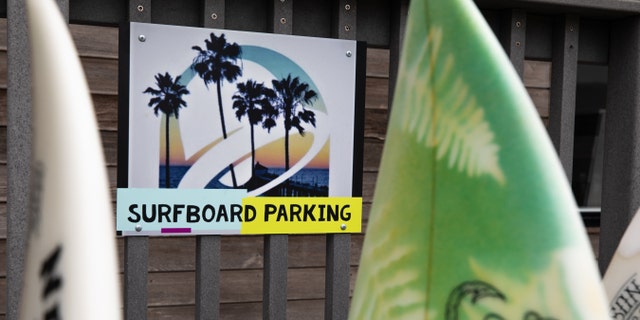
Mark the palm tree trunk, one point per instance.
(286, 150)
(166, 159)
(224, 132)
(253, 154)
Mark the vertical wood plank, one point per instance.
(338, 246)
(513, 38)
(208, 247)
(136, 249)
(400, 12)
(276, 247)
(18, 149)
(621, 172)
(564, 74)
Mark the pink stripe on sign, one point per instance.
(175, 230)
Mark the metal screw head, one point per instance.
(518, 24)
(347, 7)
(517, 43)
(349, 54)
(138, 228)
(283, 20)
(142, 38)
(140, 8)
(347, 28)
(343, 227)
(214, 16)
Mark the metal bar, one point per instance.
(564, 74)
(337, 276)
(400, 11)
(513, 38)
(274, 290)
(214, 14)
(208, 247)
(282, 19)
(136, 261)
(139, 10)
(136, 249)
(347, 13)
(621, 172)
(338, 246)
(18, 146)
(208, 277)
(18, 149)
(276, 247)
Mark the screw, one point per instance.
(343, 227)
(517, 43)
(138, 228)
(140, 8)
(349, 53)
(214, 16)
(142, 38)
(283, 20)
(347, 7)
(347, 28)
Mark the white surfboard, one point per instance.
(71, 269)
(622, 280)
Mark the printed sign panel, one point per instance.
(269, 115)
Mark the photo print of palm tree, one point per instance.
(272, 114)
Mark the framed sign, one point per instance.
(234, 124)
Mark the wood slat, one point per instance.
(377, 93)
(372, 154)
(540, 98)
(378, 63)
(101, 74)
(95, 41)
(90, 41)
(537, 74)
(375, 123)
(177, 288)
(171, 254)
(296, 309)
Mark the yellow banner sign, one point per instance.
(277, 215)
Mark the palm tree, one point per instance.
(293, 94)
(253, 100)
(215, 64)
(167, 99)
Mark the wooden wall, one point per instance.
(171, 281)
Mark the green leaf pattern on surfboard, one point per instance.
(472, 216)
(453, 122)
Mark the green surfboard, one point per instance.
(472, 216)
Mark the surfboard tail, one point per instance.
(71, 269)
(472, 216)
